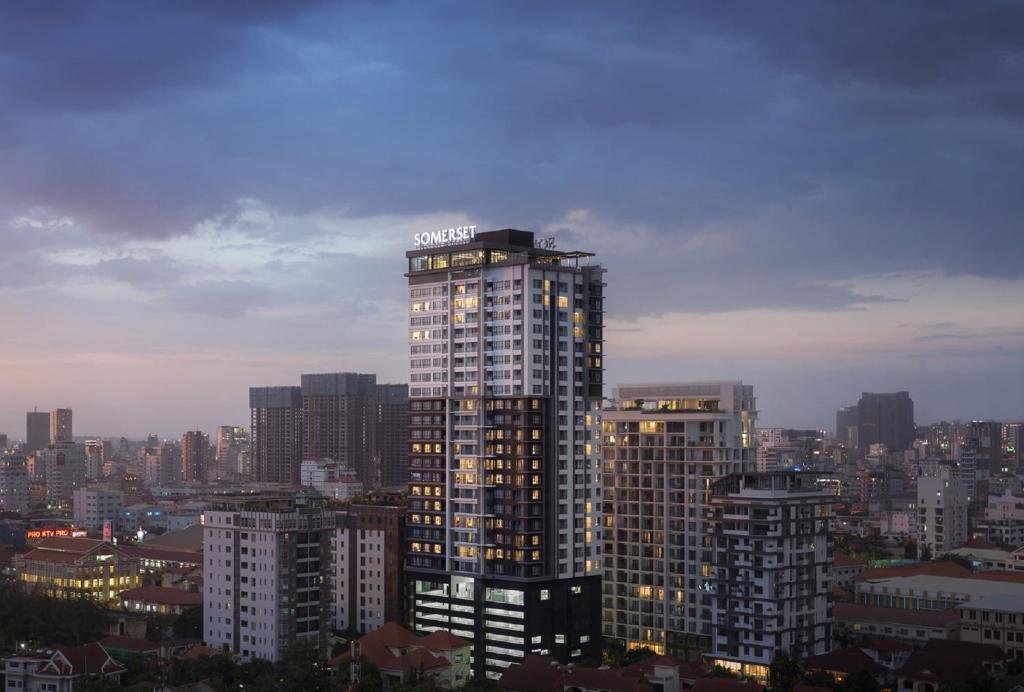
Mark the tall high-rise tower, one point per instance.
(340, 410)
(60, 425)
(392, 435)
(505, 356)
(277, 433)
(195, 456)
(885, 418)
(37, 431)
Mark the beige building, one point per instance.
(77, 567)
(996, 620)
(663, 446)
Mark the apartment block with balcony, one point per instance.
(769, 543)
(663, 447)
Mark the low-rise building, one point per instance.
(58, 670)
(399, 654)
(662, 673)
(845, 570)
(853, 620)
(995, 620)
(942, 663)
(162, 600)
(77, 567)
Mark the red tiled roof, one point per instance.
(604, 679)
(416, 659)
(844, 560)
(73, 545)
(974, 650)
(164, 595)
(535, 673)
(930, 666)
(442, 640)
(920, 618)
(88, 659)
(844, 661)
(198, 651)
(999, 575)
(391, 634)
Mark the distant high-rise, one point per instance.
(37, 431)
(195, 454)
(161, 465)
(985, 437)
(277, 433)
(13, 483)
(392, 435)
(60, 426)
(340, 415)
(847, 419)
(231, 452)
(885, 418)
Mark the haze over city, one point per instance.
(198, 198)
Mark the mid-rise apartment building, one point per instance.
(504, 532)
(62, 468)
(92, 506)
(664, 445)
(161, 465)
(266, 573)
(195, 456)
(278, 433)
(771, 560)
(367, 575)
(13, 483)
(942, 511)
(60, 426)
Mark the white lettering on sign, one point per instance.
(445, 236)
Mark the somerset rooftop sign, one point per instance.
(445, 236)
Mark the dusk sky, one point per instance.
(817, 198)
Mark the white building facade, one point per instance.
(266, 574)
(93, 505)
(506, 360)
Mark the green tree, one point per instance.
(784, 672)
(924, 553)
(860, 681)
(955, 559)
(820, 678)
(301, 668)
(189, 624)
(720, 672)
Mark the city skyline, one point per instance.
(816, 216)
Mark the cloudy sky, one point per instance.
(818, 198)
